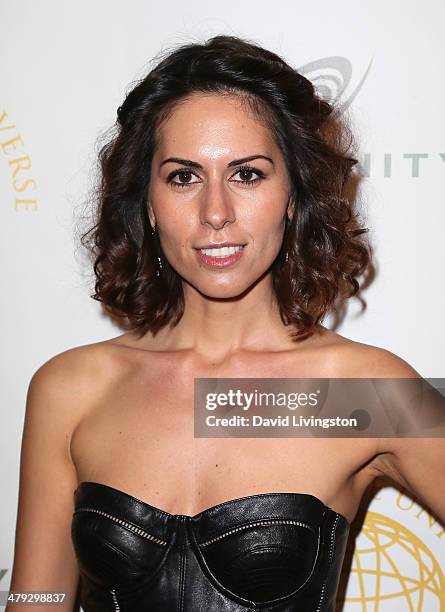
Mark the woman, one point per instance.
(223, 237)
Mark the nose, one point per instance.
(217, 207)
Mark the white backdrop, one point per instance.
(65, 67)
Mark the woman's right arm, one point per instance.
(44, 558)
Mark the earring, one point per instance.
(286, 224)
(159, 266)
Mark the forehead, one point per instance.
(213, 125)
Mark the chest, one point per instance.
(140, 437)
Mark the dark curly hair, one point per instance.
(326, 252)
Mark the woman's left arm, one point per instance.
(416, 463)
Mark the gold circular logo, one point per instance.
(392, 569)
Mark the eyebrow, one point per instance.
(235, 162)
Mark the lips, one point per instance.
(219, 261)
(219, 245)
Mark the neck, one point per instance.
(217, 328)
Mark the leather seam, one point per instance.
(331, 550)
(183, 561)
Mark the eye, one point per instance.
(246, 172)
(184, 176)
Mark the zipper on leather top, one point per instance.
(126, 524)
(115, 602)
(264, 522)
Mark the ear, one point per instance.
(151, 215)
(290, 208)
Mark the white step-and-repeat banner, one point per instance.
(65, 67)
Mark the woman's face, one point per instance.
(203, 191)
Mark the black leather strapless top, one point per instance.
(281, 552)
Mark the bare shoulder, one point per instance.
(352, 359)
(70, 381)
(77, 365)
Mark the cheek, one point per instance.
(177, 229)
(174, 238)
(267, 228)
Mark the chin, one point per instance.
(222, 290)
